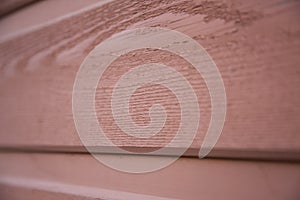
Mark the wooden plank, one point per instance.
(24, 188)
(185, 179)
(254, 44)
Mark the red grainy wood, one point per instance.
(254, 44)
(39, 13)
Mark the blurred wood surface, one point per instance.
(39, 13)
(80, 176)
(8, 6)
(255, 45)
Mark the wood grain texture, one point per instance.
(39, 13)
(185, 179)
(254, 44)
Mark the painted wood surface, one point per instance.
(79, 176)
(8, 6)
(255, 45)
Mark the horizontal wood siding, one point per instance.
(255, 45)
(80, 176)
